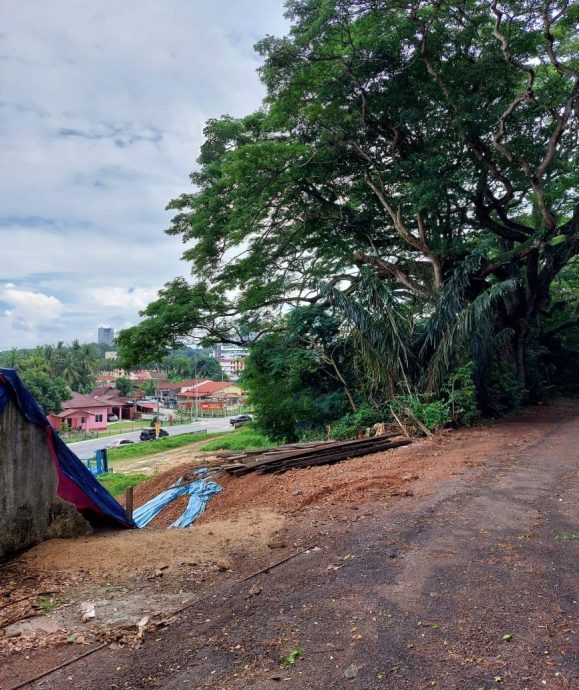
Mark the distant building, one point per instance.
(111, 354)
(228, 351)
(106, 336)
(232, 367)
(231, 358)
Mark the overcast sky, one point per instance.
(102, 107)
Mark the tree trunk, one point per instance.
(521, 332)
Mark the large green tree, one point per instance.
(429, 147)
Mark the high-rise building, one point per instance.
(106, 336)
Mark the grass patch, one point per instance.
(567, 537)
(243, 439)
(142, 448)
(47, 605)
(117, 482)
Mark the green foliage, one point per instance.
(192, 363)
(350, 424)
(48, 392)
(460, 394)
(116, 483)
(292, 657)
(47, 605)
(501, 390)
(242, 439)
(434, 414)
(124, 385)
(428, 210)
(293, 377)
(148, 388)
(76, 364)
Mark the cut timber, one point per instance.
(308, 455)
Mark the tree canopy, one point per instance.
(419, 158)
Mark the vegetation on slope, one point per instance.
(420, 219)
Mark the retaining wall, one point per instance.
(30, 511)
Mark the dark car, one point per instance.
(148, 434)
(240, 420)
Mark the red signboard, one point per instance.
(211, 406)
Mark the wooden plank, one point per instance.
(328, 454)
(329, 459)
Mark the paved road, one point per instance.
(86, 449)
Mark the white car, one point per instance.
(118, 444)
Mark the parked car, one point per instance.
(112, 418)
(240, 420)
(118, 444)
(148, 434)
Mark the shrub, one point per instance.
(350, 424)
(461, 395)
(502, 390)
(434, 414)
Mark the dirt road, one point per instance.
(471, 585)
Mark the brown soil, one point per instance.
(375, 477)
(120, 555)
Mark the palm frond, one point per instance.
(473, 323)
(380, 327)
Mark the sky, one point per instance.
(102, 109)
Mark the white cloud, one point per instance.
(125, 298)
(26, 313)
(102, 109)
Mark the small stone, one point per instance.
(351, 671)
(297, 492)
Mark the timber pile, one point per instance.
(299, 455)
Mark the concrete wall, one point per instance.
(29, 508)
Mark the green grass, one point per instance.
(243, 439)
(143, 448)
(125, 425)
(116, 482)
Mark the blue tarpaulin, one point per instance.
(199, 492)
(149, 510)
(76, 484)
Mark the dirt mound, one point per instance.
(117, 556)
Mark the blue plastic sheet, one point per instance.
(143, 515)
(199, 494)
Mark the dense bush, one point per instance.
(350, 424)
(460, 394)
(501, 390)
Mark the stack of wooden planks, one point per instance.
(298, 455)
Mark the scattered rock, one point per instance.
(254, 591)
(277, 545)
(410, 477)
(87, 611)
(351, 671)
(297, 492)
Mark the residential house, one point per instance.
(82, 412)
(211, 396)
(122, 406)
